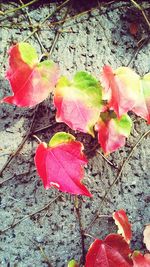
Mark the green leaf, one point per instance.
(73, 263)
(28, 54)
(59, 138)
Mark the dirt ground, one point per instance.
(42, 228)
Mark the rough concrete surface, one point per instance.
(87, 42)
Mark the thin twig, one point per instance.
(137, 51)
(31, 214)
(81, 14)
(91, 236)
(22, 143)
(77, 209)
(107, 160)
(17, 8)
(116, 179)
(46, 259)
(6, 180)
(32, 27)
(44, 128)
(142, 11)
(47, 17)
(57, 34)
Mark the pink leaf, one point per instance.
(60, 164)
(124, 227)
(121, 88)
(142, 105)
(112, 132)
(112, 252)
(78, 102)
(31, 81)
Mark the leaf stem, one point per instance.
(37, 138)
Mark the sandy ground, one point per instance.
(99, 37)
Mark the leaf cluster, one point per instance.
(85, 104)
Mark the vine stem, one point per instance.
(32, 28)
(47, 17)
(77, 209)
(116, 179)
(143, 42)
(107, 160)
(44, 127)
(81, 14)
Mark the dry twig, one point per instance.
(31, 214)
(117, 179)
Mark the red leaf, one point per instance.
(123, 224)
(121, 88)
(140, 260)
(30, 80)
(112, 252)
(133, 27)
(60, 164)
(112, 132)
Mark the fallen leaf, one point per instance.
(133, 27)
